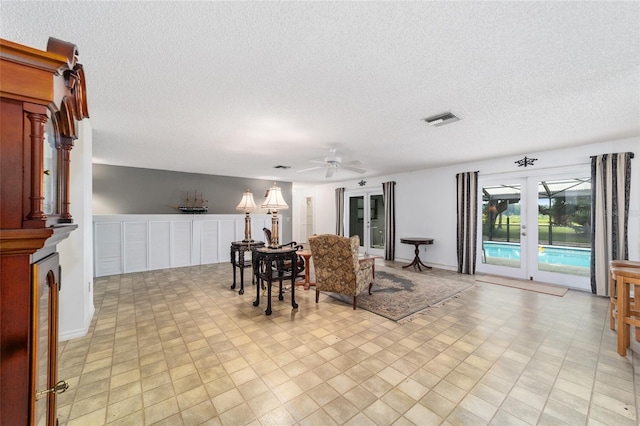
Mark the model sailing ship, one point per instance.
(197, 206)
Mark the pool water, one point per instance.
(553, 255)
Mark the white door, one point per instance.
(537, 227)
(364, 212)
(504, 229)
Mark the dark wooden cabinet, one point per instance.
(42, 98)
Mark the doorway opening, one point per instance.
(537, 228)
(365, 218)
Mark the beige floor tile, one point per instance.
(264, 403)
(161, 411)
(381, 413)
(450, 391)
(478, 407)
(340, 409)
(93, 418)
(317, 418)
(438, 404)
(177, 347)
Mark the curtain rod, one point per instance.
(631, 154)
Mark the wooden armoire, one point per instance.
(43, 98)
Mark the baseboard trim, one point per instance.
(80, 332)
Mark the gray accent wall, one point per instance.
(131, 190)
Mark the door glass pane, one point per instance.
(376, 230)
(501, 225)
(564, 218)
(50, 169)
(356, 218)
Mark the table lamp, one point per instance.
(247, 205)
(274, 202)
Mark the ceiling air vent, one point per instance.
(441, 119)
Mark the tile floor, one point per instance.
(178, 347)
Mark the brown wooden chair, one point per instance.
(634, 302)
(300, 266)
(626, 313)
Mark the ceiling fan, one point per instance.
(333, 162)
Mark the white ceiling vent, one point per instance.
(442, 119)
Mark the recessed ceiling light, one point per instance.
(441, 119)
(281, 167)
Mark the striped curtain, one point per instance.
(467, 184)
(610, 189)
(340, 211)
(389, 199)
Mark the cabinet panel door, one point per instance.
(159, 245)
(209, 241)
(181, 243)
(226, 235)
(108, 247)
(45, 275)
(135, 246)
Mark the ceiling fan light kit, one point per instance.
(333, 162)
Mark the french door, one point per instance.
(536, 227)
(364, 211)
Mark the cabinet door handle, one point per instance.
(59, 388)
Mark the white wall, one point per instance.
(76, 259)
(426, 199)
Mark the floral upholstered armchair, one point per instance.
(338, 269)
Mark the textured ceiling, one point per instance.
(236, 88)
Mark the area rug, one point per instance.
(538, 287)
(398, 295)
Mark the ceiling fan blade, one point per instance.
(351, 163)
(353, 169)
(318, 161)
(330, 172)
(309, 169)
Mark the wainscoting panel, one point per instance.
(133, 243)
(108, 253)
(181, 243)
(136, 255)
(159, 245)
(226, 235)
(209, 242)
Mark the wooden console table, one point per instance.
(417, 242)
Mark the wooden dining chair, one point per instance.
(613, 297)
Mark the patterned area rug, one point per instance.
(398, 294)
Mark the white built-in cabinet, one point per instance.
(135, 243)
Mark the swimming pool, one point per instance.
(552, 255)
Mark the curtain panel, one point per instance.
(610, 190)
(467, 211)
(389, 198)
(340, 211)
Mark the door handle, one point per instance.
(59, 388)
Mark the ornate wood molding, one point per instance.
(23, 241)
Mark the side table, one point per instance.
(306, 255)
(416, 262)
(268, 265)
(238, 250)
